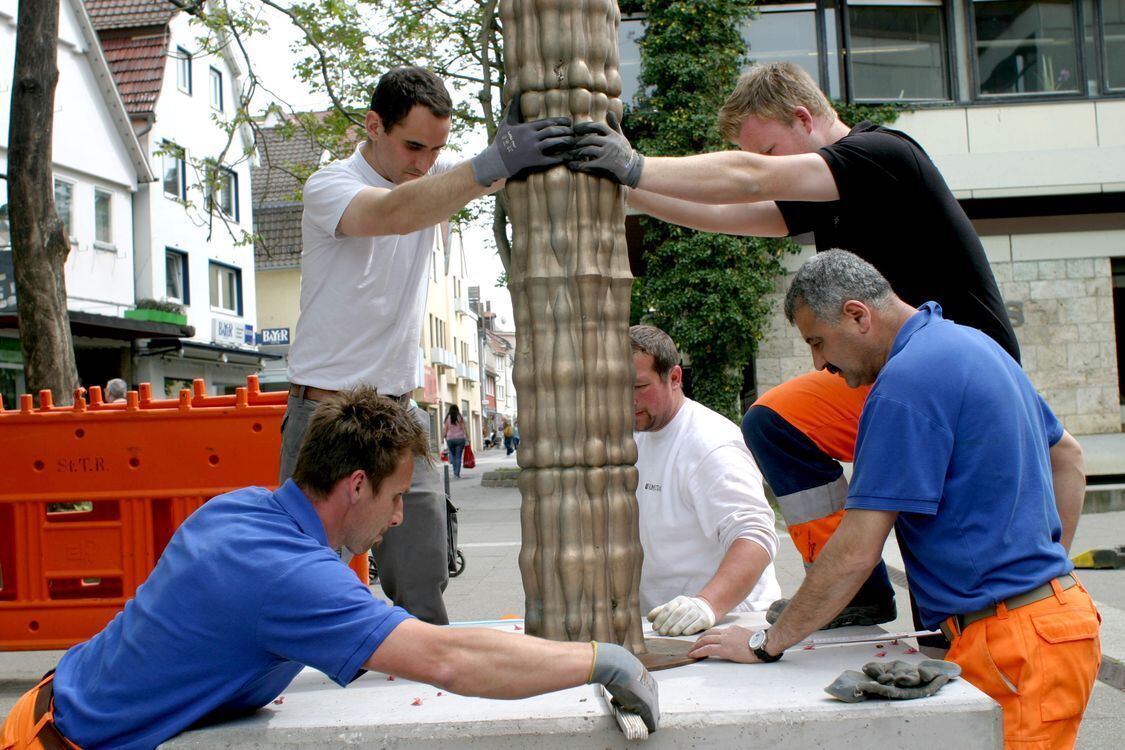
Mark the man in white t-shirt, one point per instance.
(368, 234)
(706, 528)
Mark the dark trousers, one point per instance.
(412, 558)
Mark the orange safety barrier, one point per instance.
(135, 469)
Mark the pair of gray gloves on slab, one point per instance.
(896, 679)
(592, 147)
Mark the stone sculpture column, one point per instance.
(570, 282)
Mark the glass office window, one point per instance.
(629, 53)
(784, 32)
(1025, 47)
(1113, 43)
(897, 51)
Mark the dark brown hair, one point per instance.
(659, 345)
(356, 429)
(400, 89)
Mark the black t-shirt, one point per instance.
(896, 212)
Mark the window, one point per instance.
(226, 288)
(785, 32)
(176, 276)
(103, 218)
(1025, 47)
(897, 50)
(629, 57)
(64, 205)
(222, 191)
(175, 172)
(1111, 20)
(183, 70)
(216, 89)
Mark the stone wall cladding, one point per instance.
(1067, 338)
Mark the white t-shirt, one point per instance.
(699, 490)
(362, 298)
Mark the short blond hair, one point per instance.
(773, 92)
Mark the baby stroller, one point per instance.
(454, 558)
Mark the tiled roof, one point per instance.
(285, 162)
(138, 67)
(129, 14)
(278, 241)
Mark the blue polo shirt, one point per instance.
(246, 593)
(954, 437)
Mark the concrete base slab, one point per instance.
(706, 704)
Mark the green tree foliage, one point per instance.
(345, 45)
(707, 291)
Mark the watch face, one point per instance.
(758, 640)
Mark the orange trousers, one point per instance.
(1039, 662)
(20, 731)
(822, 407)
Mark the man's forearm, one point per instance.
(835, 577)
(413, 205)
(733, 177)
(749, 219)
(736, 577)
(482, 662)
(1068, 477)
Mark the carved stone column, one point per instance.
(570, 283)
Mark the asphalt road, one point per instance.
(490, 588)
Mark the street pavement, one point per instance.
(490, 588)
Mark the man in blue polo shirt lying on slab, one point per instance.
(250, 590)
(982, 485)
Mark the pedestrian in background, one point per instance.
(115, 390)
(453, 430)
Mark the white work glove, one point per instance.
(683, 615)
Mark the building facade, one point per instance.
(1021, 104)
(99, 166)
(192, 225)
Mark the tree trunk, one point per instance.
(569, 276)
(39, 241)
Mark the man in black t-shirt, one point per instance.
(868, 189)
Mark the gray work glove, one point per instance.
(603, 149)
(900, 680)
(626, 679)
(522, 145)
(683, 615)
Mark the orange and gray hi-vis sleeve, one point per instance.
(799, 432)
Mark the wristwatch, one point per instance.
(757, 643)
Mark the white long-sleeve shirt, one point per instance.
(699, 490)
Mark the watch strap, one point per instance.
(763, 655)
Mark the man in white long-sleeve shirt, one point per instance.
(706, 527)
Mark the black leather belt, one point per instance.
(311, 393)
(49, 735)
(1038, 593)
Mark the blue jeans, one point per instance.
(456, 453)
